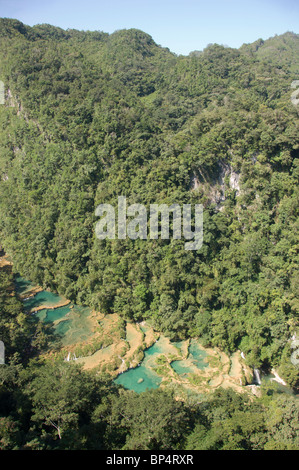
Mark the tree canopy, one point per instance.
(90, 116)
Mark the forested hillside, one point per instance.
(90, 116)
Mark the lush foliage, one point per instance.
(58, 406)
(90, 116)
(22, 337)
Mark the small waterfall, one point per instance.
(256, 376)
(69, 358)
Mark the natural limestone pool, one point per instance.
(52, 315)
(195, 360)
(22, 285)
(70, 322)
(96, 340)
(43, 299)
(144, 376)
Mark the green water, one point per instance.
(197, 355)
(43, 298)
(72, 325)
(155, 349)
(22, 285)
(178, 345)
(63, 327)
(75, 328)
(183, 367)
(194, 361)
(131, 379)
(78, 327)
(52, 315)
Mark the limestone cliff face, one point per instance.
(215, 188)
(295, 94)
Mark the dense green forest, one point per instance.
(90, 116)
(46, 405)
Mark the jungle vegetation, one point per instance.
(90, 116)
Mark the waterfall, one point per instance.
(256, 376)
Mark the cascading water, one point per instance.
(256, 376)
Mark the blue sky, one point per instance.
(183, 26)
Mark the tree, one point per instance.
(62, 395)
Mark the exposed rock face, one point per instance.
(295, 94)
(215, 188)
(194, 182)
(234, 179)
(1, 92)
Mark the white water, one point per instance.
(257, 377)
